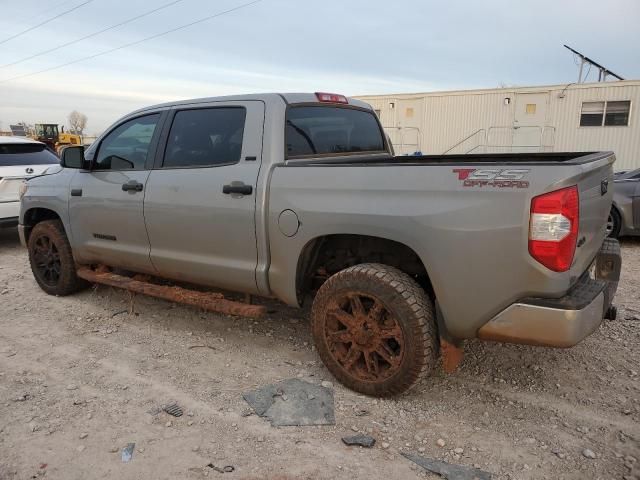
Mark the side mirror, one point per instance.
(73, 157)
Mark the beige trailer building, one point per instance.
(570, 117)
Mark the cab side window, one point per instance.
(127, 147)
(205, 137)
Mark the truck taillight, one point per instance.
(553, 228)
(331, 97)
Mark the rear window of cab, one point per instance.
(20, 154)
(312, 130)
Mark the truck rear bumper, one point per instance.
(565, 321)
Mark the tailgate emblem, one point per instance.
(604, 187)
(28, 170)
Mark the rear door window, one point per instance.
(205, 137)
(325, 130)
(18, 154)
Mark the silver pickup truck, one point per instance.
(299, 195)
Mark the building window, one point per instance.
(408, 112)
(597, 114)
(377, 113)
(617, 113)
(530, 109)
(592, 114)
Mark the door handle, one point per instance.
(132, 186)
(76, 192)
(239, 188)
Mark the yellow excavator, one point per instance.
(48, 133)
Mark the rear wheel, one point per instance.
(614, 223)
(374, 329)
(51, 259)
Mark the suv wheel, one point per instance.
(613, 223)
(51, 259)
(374, 329)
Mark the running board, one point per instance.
(213, 302)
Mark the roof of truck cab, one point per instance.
(13, 140)
(267, 98)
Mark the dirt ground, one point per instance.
(78, 378)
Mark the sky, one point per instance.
(353, 47)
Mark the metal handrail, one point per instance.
(401, 144)
(545, 133)
(465, 139)
(542, 129)
(474, 148)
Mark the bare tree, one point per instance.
(77, 122)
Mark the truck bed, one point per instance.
(472, 238)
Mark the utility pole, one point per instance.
(603, 72)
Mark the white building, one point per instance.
(571, 117)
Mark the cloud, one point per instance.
(107, 96)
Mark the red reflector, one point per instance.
(553, 228)
(331, 97)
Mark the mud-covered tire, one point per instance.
(51, 259)
(406, 328)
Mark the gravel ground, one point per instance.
(78, 378)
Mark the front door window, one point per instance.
(127, 147)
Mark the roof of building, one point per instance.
(512, 88)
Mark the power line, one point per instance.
(132, 19)
(43, 13)
(137, 42)
(181, 27)
(44, 22)
(54, 8)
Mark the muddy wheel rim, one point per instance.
(46, 260)
(609, 224)
(364, 337)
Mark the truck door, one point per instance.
(201, 197)
(106, 203)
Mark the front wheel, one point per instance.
(374, 329)
(51, 259)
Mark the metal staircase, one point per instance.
(509, 139)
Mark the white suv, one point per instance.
(20, 158)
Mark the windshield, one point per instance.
(18, 154)
(632, 175)
(326, 130)
(47, 130)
